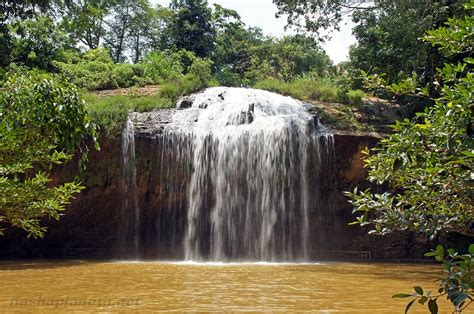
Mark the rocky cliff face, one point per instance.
(93, 224)
(93, 220)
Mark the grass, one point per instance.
(110, 112)
(309, 88)
(335, 105)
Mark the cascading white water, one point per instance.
(129, 232)
(254, 156)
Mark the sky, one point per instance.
(261, 13)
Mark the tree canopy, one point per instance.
(43, 122)
(427, 162)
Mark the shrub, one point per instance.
(95, 70)
(43, 122)
(307, 87)
(354, 97)
(127, 75)
(227, 77)
(161, 66)
(201, 72)
(199, 76)
(273, 85)
(170, 90)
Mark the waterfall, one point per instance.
(129, 231)
(256, 160)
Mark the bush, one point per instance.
(355, 97)
(304, 88)
(43, 123)
(200, 71)
(95, 70)
(273, 85)
(199, 76)
(310, 87)
(161, 66)
(227, 77)
(170, 90)
(127, 75)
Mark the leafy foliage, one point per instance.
(95, 70)
(388, 38)
(37, 42)
(457, 286)
(111, 112)
(85, 21)
(318, 15)
(192, 27)
(42, 122)
(428, 160)
(199, 76)
(311, 87)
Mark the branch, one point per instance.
(358, 7)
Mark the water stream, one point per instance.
(129, 232)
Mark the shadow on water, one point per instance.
(41, 264)
(376, 270)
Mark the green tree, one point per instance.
(85, 21)
(318, 15)
(116, 38)
(36, 42)
(42, 123)
(387, 31)
(192, 27)
(388, 38)
(427, 165)
(13, 11)
(428, 161)
(146, 29)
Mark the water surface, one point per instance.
(45, 287)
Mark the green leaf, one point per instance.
(401, 295)
(433, 306)
(397, 164)
(409, 305)
(471, 249)
(423, 300)
(418, 290)
(440, 249)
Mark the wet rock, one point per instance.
(204, 104)
(150, 124)
(251, 113)
(185, 102)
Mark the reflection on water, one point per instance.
(152, 286)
